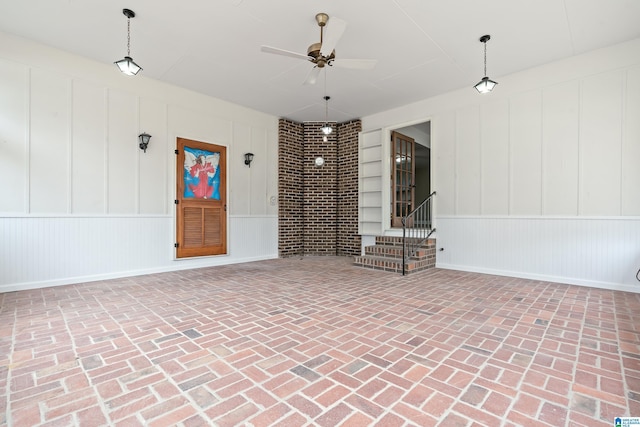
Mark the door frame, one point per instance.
(395, 166)
(386, 170)
(178, 185)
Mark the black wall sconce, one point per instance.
(248, 158)
(144, 140)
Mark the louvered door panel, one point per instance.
(192, 227)
(212, 226)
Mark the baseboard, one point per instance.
(122, 274)
(545, 278)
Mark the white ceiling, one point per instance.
(423, 47)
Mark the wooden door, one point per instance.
(403, 175)
(201, 199)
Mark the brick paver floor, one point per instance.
(319, 342)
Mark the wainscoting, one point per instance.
(599, 251)
(56, 250)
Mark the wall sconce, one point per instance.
(144, 140)
(248, 158)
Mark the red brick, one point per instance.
(163, 407)
(174, 417)
(294, 419)
(270, 416)
(367, 373)
(132, 408)
(417, 417)
(600, 395)
(109, 389)
(318, 387)
(235, 388)
(346, 380)
(225, 406)
(390, 420)
(26, 415)
(91, 416)
(438, 405)
(553, 414)
(287, 389)
(478, 415)
(305, 406)
(497, 404)
(558, 386)
(527, 405)
(260, 397)
(442, 372)
(334, 416)
(332, 395)
(545, 395)
(358, 420)
(364, 405)
(417, 395)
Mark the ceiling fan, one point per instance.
(323, 53)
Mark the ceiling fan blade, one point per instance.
(269, 49)
(332, 33)
(312, 77)
(356, 64)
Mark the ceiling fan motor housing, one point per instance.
(314, 53)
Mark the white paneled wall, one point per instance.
(53, 250)
(541, 177)
(88, 149)
(562, 150)
(79, 199)
(525, 154)
(14, 136)
(494, 158)
(468, 171)
(630, 145)
(601, 144)
(602, 252)
(560, 147)
(50, 142)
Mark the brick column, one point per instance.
(318, 206)
(290, 185)
(348, 237)
(320, 191)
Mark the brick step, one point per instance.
(393, 265)
(397, 241)
(396, 252)
(386, 255)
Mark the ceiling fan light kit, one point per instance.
(127, 64)
(485, 85)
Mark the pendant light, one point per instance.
(126, 65)
(485, 85)
(326, 128)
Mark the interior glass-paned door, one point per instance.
(402, 177)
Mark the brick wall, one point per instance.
(318, 206)
(348, 237)
(290, 194)
(320, 191)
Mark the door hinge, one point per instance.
(225, 208)
(176, 201)
(175, 245)
(177, 152)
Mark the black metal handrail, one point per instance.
(416, 229)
